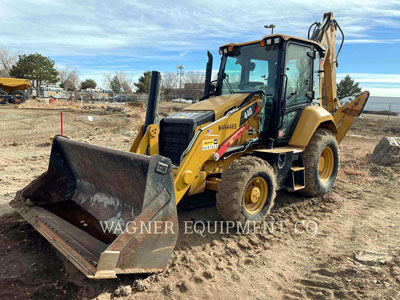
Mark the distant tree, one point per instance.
(169, 81)
(7, 59)
(126, 81)
(68, 78)
(347, 88)
(143, 85)
(115, 85)
(194, 83)
(88, 84)
(37, 68)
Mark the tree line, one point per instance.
(41, 70)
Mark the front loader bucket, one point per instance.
(106, 211)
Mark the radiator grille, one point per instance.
(174, 140)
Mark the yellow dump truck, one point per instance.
(12, 90)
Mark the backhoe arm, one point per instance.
(345, 114)
(325, 34)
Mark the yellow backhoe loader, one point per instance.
(12, 90)
(271, 121)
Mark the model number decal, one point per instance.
(227, 126)
(210, 144)
(248, 113)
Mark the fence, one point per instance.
(384, 108)
(109, 97)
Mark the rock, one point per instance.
(45, 144)
(372, 258)
(387, 151)
(197, 279)
(140, 285)
(208, 275)
(215, 243)
(243, 245)
(167, 289)
(123, 291)
(235, 276)
(249, 261)
(182, 286)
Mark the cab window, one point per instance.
(298, 68)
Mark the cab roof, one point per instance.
(283, 36)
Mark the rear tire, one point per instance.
(18, 97)
(247, 190)
(321, 162)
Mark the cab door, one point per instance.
(297, 88)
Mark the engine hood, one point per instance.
(218, 104)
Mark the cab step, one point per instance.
(297, 181)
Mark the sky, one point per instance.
(100, 37)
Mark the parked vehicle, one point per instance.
(12, 90)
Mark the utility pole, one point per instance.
(272, 26)
(179, 72)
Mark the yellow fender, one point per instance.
(311, 118)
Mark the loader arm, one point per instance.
(189, 174)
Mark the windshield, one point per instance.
(250, 68)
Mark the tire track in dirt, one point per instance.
(232, 255)
(340, 276)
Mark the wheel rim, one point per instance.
(255, 195)
(326, 163)
(18, 98)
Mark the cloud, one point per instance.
(383, 92)
(377, 84)
(72, 27)
(372, 77)
(371, 41)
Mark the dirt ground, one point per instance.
(345, 245)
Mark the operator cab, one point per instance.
(285, 69)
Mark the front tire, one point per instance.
(321, 162)
(3, 97)
(247, 190)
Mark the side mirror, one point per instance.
(213, 86)
(312, 54)
(252, 66)
(310, 95)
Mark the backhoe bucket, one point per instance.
(106, 211)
